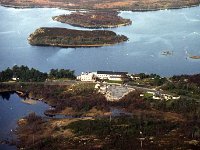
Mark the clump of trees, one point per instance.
(184, 86)
(62, 73)
(150, 79)
(188, 78)
(24, 74)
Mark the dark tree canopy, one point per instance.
(24, 74)
(62, 73)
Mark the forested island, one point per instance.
(133, 5)
(90, 124)
(63, 37)
(94, 19)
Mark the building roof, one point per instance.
(112, 72)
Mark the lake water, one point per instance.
(149, 35)
(11, 110)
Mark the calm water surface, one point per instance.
(11, 110)
(149, 35)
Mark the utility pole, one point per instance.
(33, 139)
(141, 139)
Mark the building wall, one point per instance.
(109, 77)
(115, 78)
(92, 75)
(86, 77)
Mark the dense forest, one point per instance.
(24, 74)
(63, 37)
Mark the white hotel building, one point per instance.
(103, 75)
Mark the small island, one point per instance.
(63, 37)
(195, 57)
(94, 19)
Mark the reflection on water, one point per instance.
(149, 35)
(11, 110)
(6, 95)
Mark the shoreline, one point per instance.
(115, 9)
(76, 46)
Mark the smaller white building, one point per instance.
(115, 78)
(15, 79)
(170, 97)
(156, 97)
(151, 92)
(176, 97)
(86, 76)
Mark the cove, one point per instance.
(11, 110)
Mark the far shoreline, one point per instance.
(120, 10)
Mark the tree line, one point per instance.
(24, 74)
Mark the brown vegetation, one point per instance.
(94, 19)
(103, 133)
(195, 57)
(103, 4)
